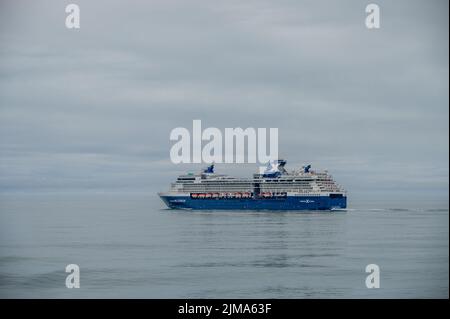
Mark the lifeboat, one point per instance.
(201, 195)
(238, 195)
(194, 195)
(215, 195)
(208, 195)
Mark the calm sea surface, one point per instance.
(130, 246)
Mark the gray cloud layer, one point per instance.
(92, 109)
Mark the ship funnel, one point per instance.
(275, 168)
(209, 169)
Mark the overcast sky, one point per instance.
(92, 109)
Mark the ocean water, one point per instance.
(130, 246)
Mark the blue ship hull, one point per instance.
(287, 203)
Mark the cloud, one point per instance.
(95, 106)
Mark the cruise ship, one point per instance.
(273, 189)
